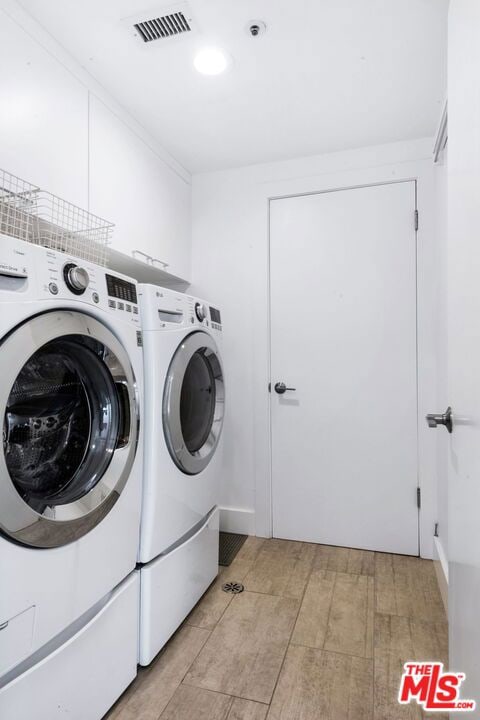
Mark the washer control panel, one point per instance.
(122, 294)
(65, 277)
(121, 289)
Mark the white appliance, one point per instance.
(184, 411)
(71, 372)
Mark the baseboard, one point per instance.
(237, 520)
(440, 563)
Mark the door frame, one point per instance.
(414, 224)
(338, 177)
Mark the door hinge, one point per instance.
(416, 220)
(419, 498)
(435, 531)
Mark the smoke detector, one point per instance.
(255, 28)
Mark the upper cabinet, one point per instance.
(131, 186)
(43, 117)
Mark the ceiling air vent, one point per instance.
(165, 26)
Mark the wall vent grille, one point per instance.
(163, 27)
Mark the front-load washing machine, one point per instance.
(71, 374)
(184, 411)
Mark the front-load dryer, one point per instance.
(184, 412)
(71, 375)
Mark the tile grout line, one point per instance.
(330, 652)
(200, 627)
(329, 612)
(232, 700)
(289, 643)
(373, 617)
(190, 666)
(412, 617)
(214, 692)
(239, 697)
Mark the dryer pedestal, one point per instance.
(84, 674)
(173, 583)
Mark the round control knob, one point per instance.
(76, 278)
(200, 311)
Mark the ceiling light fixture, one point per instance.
(211, 61)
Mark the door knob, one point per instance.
(445, 419)
(280, 388)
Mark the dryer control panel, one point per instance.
(164, 309)
(215, 318)
(204, 314)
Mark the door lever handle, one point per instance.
(281, 388)
(434, 421)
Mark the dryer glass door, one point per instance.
(68, 436)
(193, 404)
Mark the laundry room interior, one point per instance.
(239, 359)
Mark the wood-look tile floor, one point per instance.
(320, 633)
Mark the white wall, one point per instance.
(230, 266)
(127, 181)
(60, 130)
(43, 117)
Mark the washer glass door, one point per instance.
(68, 436)
(193, 404)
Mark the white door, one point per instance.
(463, 294)
(343, 334)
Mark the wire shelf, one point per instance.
(59, 225)
(37, 216)
(17, 198)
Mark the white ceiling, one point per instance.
(328, 74)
